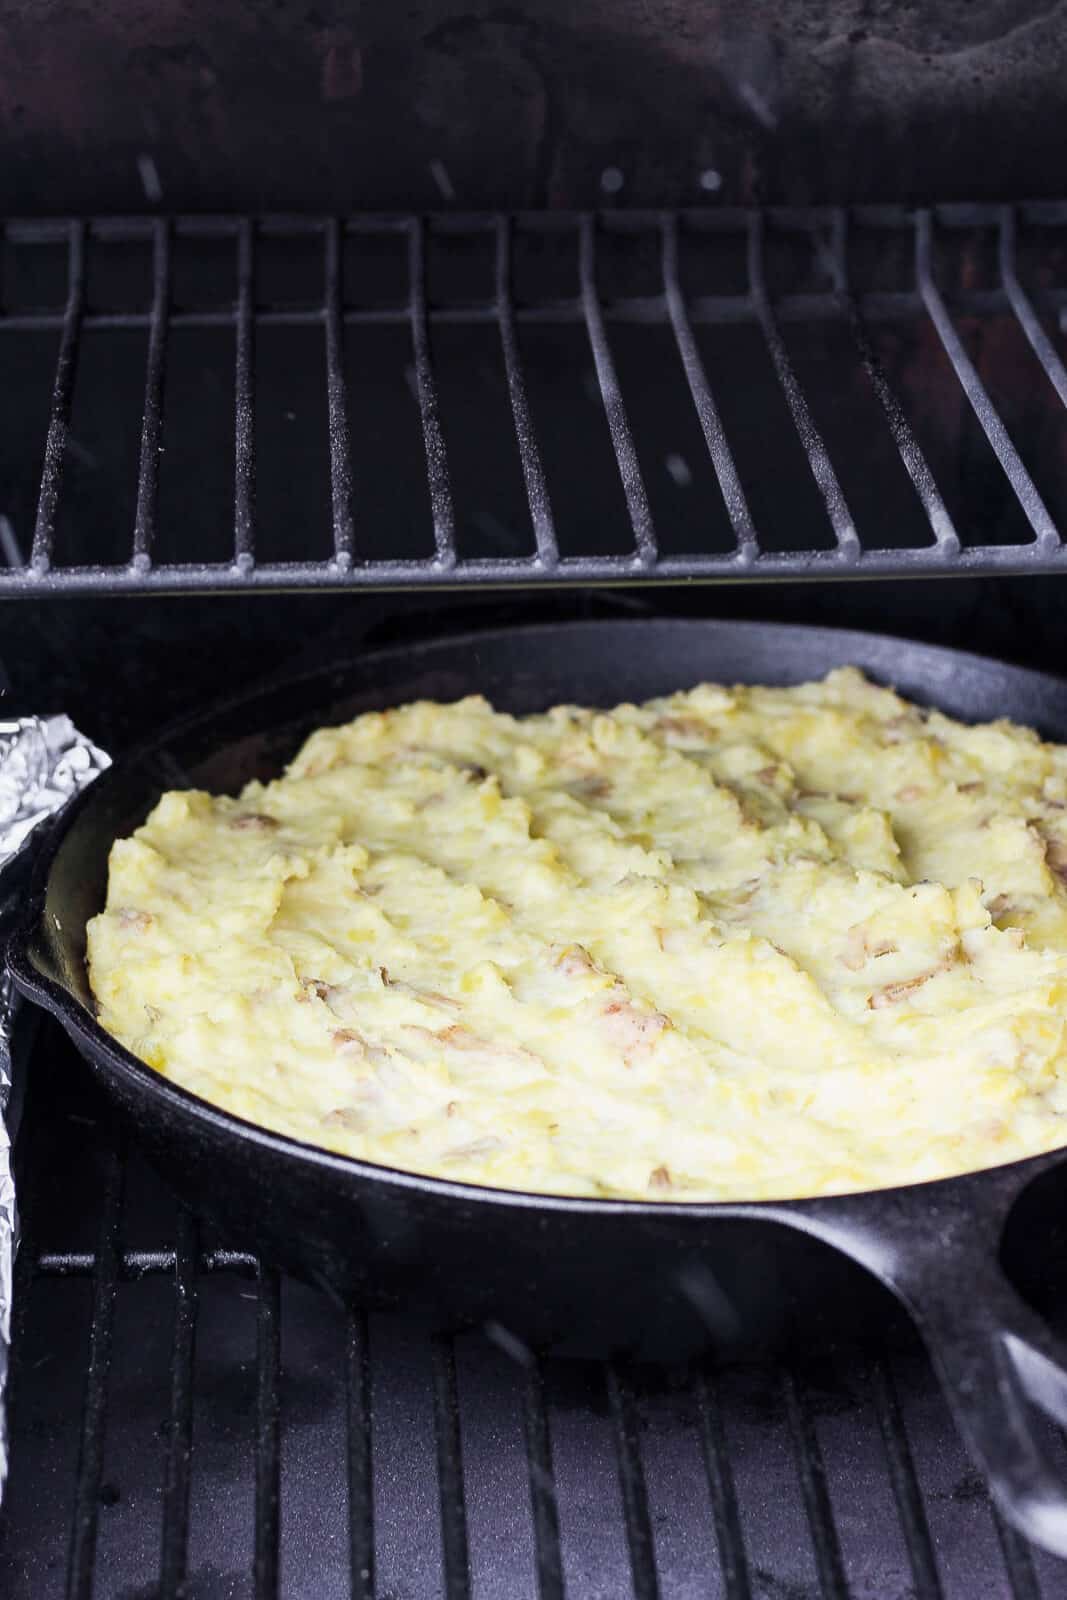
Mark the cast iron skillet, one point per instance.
(578, 1275)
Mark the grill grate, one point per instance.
(156, 1455)
(844, 281)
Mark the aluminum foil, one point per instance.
(43, 762)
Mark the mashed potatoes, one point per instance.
(733, 944)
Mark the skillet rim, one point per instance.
(106, 1051)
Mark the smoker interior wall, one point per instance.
(122, 668)
(293, 104)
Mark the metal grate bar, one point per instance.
(244, 466)
(360, 1481)
(268, 1366)
(730, 1539)
(55, 446)
(94, 1406)
(708, 412)
(892, 218)
(533, 471)
(344, 538)
(848, 542)
(152, 421)
(443, 511)
(450, 1472)
(133, 1264)
(615, 410)
(1018, 1562)
(632, 1483)
(906, 1490)
(180, 1437)
(1020, 303)
(292, 577)
(988, 417)
(22, 1280)
(812, 1473)
(946, 539)
(711, 310)
(543, 1498)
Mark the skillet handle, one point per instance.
(997, 1360)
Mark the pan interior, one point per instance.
(519, 671)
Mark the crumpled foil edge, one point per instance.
(44, 761)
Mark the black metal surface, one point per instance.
(90, 1453)
(331, 107)
(360, 1462)
(718, 1465)
(172, 1561)
(846, 277)
(635, 1509)
(582, 1275)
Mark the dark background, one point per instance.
(120, 668)
(336, 104)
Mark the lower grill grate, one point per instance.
(186, 1424)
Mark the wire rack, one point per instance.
(185, 1422)
(676, 296)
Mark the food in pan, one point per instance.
(736, 943)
